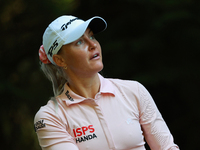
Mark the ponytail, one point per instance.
(56, 75)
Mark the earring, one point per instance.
(65, 67)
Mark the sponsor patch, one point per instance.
(39, 124)
(68, 96)
(84, 133)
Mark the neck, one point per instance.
(86, 87)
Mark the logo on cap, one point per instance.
(64, 26)
(53, 47)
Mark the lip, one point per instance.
(95, 56)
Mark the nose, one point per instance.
(92, 44)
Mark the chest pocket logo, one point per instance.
(84, 133)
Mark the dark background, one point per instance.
(152, 41)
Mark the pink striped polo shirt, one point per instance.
(120, 116)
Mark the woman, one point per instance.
(89, 111)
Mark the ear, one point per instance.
(59, 60)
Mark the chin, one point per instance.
(100, 68)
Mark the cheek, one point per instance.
(77, 58)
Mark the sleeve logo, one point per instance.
(39, 124)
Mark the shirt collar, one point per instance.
(106, 87)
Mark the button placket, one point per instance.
(104, 125)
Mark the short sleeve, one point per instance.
(155, 130)
(51, 131)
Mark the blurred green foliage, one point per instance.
(151, 41)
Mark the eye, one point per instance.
(79, 42)
(92, 37)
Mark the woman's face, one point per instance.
(83, 56)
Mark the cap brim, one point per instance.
(96, 24)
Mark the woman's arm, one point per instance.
(155, 130)
(62, 146)
(51, 131)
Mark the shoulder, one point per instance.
(130, 87)
(49, 108)
(44, 113)
(126, 84)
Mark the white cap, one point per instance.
(66, 29)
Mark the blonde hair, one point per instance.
(57, 76)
